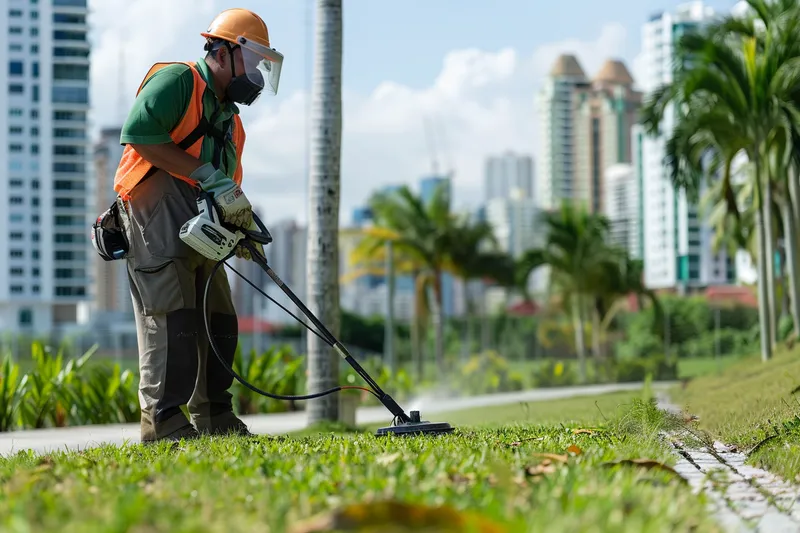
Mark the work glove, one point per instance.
(234, 207)
(243, 252)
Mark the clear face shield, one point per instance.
(262, 65)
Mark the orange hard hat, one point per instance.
(236, 22)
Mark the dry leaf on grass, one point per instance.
(545, 467)
(397, 517)
(574, 449)
(552, 457)
(388, 458)
(580, 431)
(458, 477)
(649, 464)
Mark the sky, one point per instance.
(470, 69)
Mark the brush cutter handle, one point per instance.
(262, 236)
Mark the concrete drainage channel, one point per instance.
(744, 499)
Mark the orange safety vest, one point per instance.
(188, 135)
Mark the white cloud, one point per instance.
(482, 102)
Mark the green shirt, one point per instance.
(163, 101)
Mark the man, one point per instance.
(184, 134)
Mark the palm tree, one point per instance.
(421, 235)
(473, 254)
(368, 258)
(322, 263)
(576, 252)
(780, 20)
(748, 83)
(622, 276)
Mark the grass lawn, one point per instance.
(488, 470)
(705, 366)
(750, 402)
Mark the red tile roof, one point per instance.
(251, 324)
(524, 309)
(732, 294)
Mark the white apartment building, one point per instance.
(676, 242)
(556, 177)
(110, 290)
(506, 172)
(286, 254)
(45, 158)
(622, 207)
(514, 220)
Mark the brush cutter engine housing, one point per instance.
(206, 234)
(211, 237)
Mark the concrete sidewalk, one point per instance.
(82, 437)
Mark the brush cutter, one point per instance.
(211, 237)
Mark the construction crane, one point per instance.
(432, 134)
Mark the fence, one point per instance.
(690, 331)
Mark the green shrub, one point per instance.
(554, 373)
(637, 369)
(11, 393)
(101, 394)
(57, 392)
(488, 372)
(399, 385)
(785, 327)
(276, 370)
(604, 370)
(731, 342)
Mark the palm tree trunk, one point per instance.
(416, 334)
(770, 253)
(783, 284)
(485, 322)
(416, 356)
(596, 341)
(388, 342)
(323, 213)
(790, 231)
(580, 348)
(467, 342)
(438, 324)
(762, 259)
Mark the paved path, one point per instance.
(82, 437)
(743, 498)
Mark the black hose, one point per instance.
(239, 378)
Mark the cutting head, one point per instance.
(415, 427)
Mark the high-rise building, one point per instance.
(605, 112)
(362, 215)
(246, 300)
(429, 185)
(676, 241)
(45, 157)
(287, 257)
(622, 208)
(513, 219)
(507, 172)
(111, 289)
(556, 177)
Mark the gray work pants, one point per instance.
(167, 279)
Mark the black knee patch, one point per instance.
(225, 331)
(182, 364)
